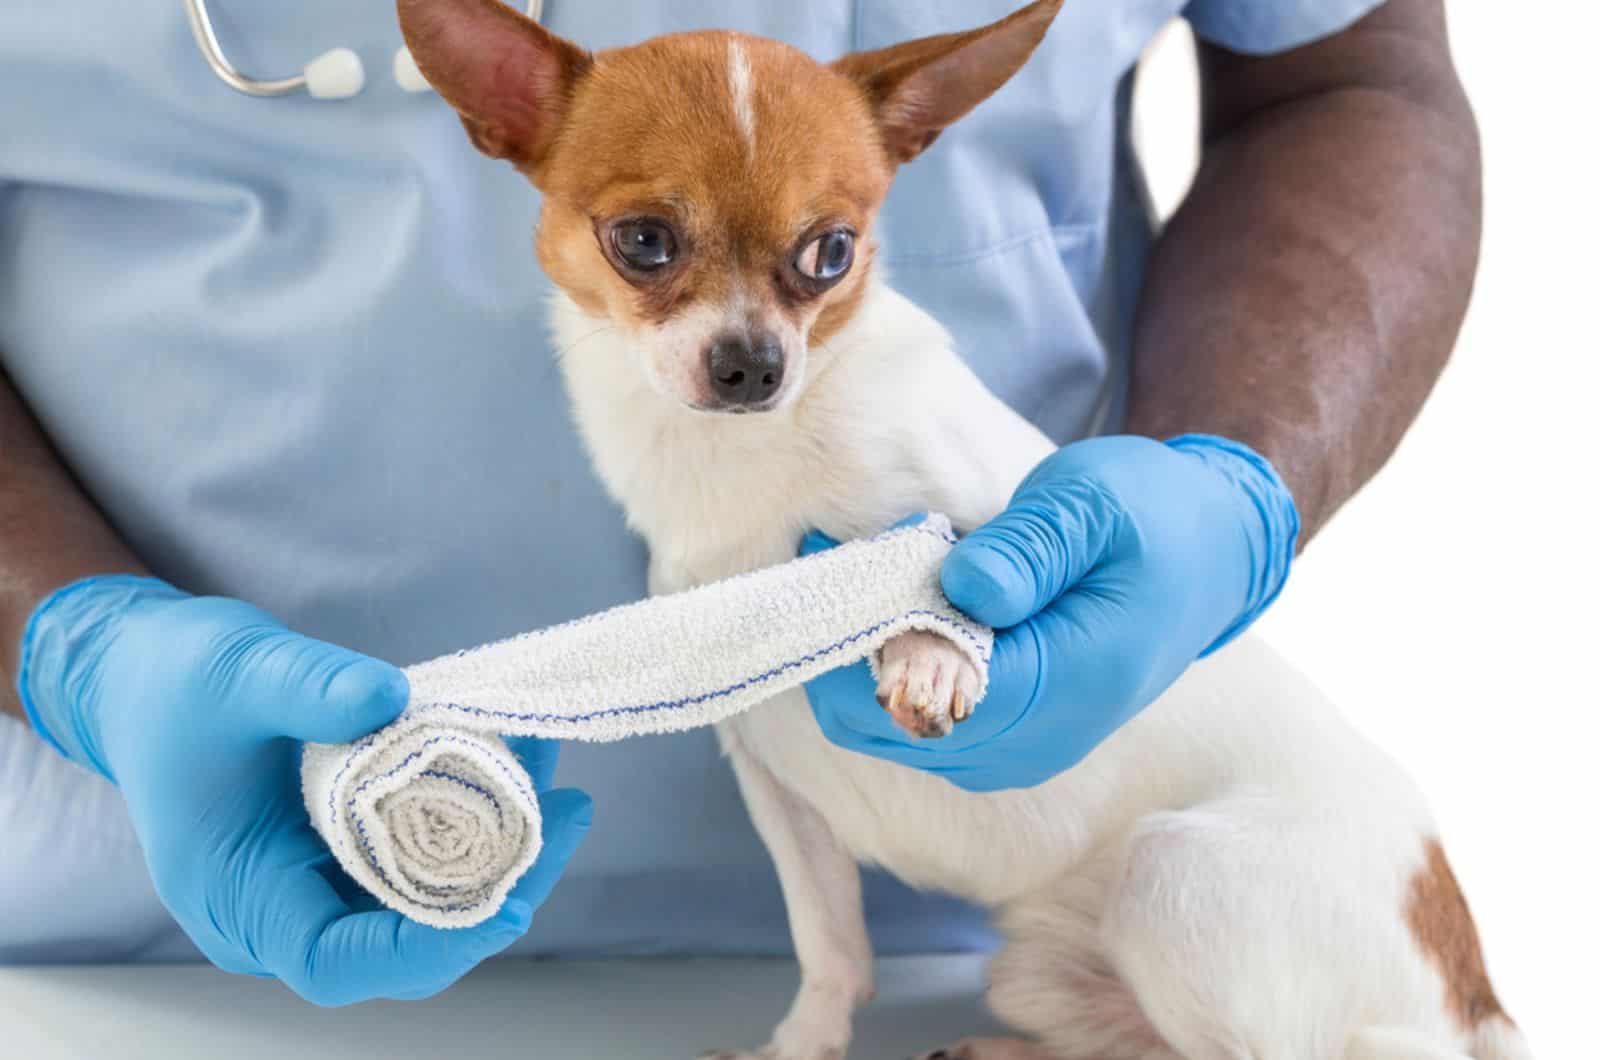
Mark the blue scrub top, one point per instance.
(296, 351)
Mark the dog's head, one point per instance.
(711, 194)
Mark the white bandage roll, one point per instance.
(438, 823)
(438, 819)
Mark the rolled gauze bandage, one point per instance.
(436, 817)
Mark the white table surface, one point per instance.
(602, 1010)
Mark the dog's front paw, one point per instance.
(926, 684)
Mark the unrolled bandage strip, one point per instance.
(437, 818)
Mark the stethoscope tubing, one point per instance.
(348, 77)
(205, 38)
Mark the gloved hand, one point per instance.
(1118, 562)
(194, 708)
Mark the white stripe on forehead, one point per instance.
(740, 82)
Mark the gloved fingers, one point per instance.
(1090, 632)
(383, 954)
(845, 704)
(567, 814)
(999, 747)
(356, 897)
(985, 773)
(1031, 723)
(539, 757)
(1050, 537)
(332, 956)
(1068, 714)
(227, 956)
(293, 686)
(817, 541)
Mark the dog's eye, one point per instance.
(644, 245)
(828, 257)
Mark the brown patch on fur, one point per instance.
(655, 131)
(565, 250)
(846, 299)
(652, 130)
(1442, 924)
(508, 77)
(920, 88)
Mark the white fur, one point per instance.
(1225, 877)
(741, 86)
(671, 357)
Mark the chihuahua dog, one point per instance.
(1236, 873)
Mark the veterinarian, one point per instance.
(277, 403)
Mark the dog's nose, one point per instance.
(745, 370)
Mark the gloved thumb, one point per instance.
(306, 689)
(362, 696)
(1016, 565)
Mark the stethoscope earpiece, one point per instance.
(336, 74)
(406, 74)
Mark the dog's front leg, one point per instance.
(822, 893)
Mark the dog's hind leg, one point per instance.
(1054, 980)
(822, 893)
(1268, 925)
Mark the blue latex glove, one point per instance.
(1118, 562)
(195, 708)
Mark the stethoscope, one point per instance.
(336, 74)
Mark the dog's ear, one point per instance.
(510, 79)
(920, 88)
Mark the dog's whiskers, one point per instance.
(561, 354)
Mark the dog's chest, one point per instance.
(988, 849)
(925, 830)
(716, 503)
(903, 426)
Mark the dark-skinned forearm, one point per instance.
(1309, 291)
(50, 533)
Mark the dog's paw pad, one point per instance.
(926, 684)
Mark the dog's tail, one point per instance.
(1496, 1038)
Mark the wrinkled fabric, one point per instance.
(296, 351)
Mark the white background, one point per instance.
(1453, 607)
